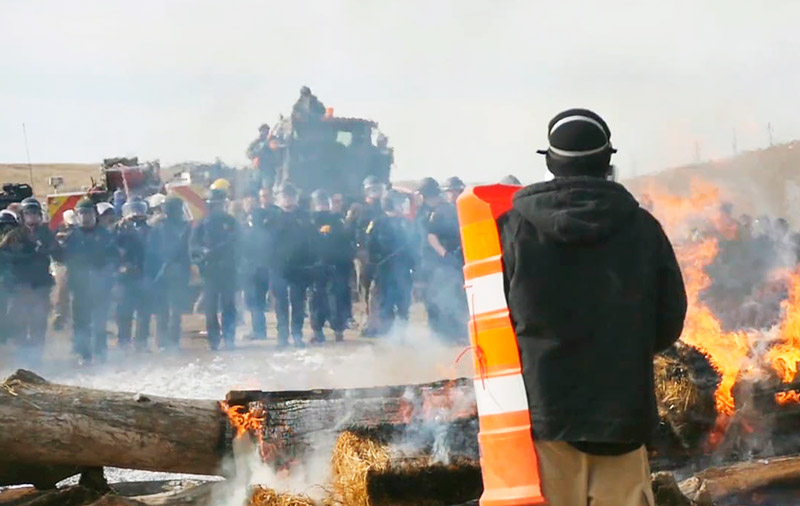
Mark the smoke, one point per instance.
(459, 87)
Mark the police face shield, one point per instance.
(451, 194)
(86, 217)
(375, 191)
(288, 201)
(32, 217)
(134, 209)
(321, 204)
(265, 197)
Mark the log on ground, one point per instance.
(45, 424)
(717, 483)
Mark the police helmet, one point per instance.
(263, 128)
(8, 218)
(216, 196)
(453, 183)
(393, 200)
(289, 190)
(173, 206)
(428, 187)
(221, 184)
(134, 207)
(105, 209)
(510, 180)
(31, 206)
(371, 181)
(85, 205)
(320, 196)
(305, 91)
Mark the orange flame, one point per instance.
(790, 397)
(785, 355)
(245, 420)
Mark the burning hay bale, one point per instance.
(262, 496)
(685, 386)
(367, 473)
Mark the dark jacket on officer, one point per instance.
(167, 258)
(28, 253)
(259, 238)
(131, 238)
(89, 254)
(294, 238)
(214, 246)
(594, 291)
(332, 243)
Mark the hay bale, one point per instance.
(262, 496)
(685, 384)
(366, 473)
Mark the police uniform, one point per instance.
(391, 247)
(446, 283)
(134, 289)
(28, 253)
(258, 252)
(214, 248)
(291, 273)
(333, 257)
(365, 270)
(91, 258)
(427, 266)
(168, 269)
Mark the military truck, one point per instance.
(330, 152)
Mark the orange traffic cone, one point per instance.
(509, 463)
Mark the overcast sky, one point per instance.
(463, 87)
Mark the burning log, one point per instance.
(44, 424)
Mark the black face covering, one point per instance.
(597, 165)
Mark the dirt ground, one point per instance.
(76, 175)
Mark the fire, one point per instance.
(245, 420)
(725, 350)
(790, 397)
(785, 355)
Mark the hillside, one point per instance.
(76, 175)
(765, 181)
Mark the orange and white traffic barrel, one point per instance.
(509, 463)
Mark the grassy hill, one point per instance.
(765, 181)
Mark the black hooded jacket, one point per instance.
(594, 292)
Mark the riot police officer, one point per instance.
(30, 249)
(90, 256)
(134, 291)
(168, 267)
(333, 256)
(445, 291)
(392, 251)
(374, 190)
(292, 266)
(214, 248)
(430, 197)
(258, 252)
(8, 222)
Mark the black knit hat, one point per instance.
(576, 133)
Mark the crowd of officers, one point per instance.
(268, 251)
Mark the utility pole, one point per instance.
(769, 133)
(27, 152)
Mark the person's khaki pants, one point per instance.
(573, 478)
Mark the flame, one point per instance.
(245, 420)
(785, 355)
(790, 397)
(725, 350)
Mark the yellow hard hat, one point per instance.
(221, 184)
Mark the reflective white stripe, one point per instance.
(486, 293)
(573, 154)
(577, 117)
(504, 394)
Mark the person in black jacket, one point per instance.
(392, 243)
(30, 249)
(131, 235)
(594, 291)
(291, 272)
(8, 222)
(333, 256)
(168, 269)
(91, 258)
(258, 251)
(214, 248)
